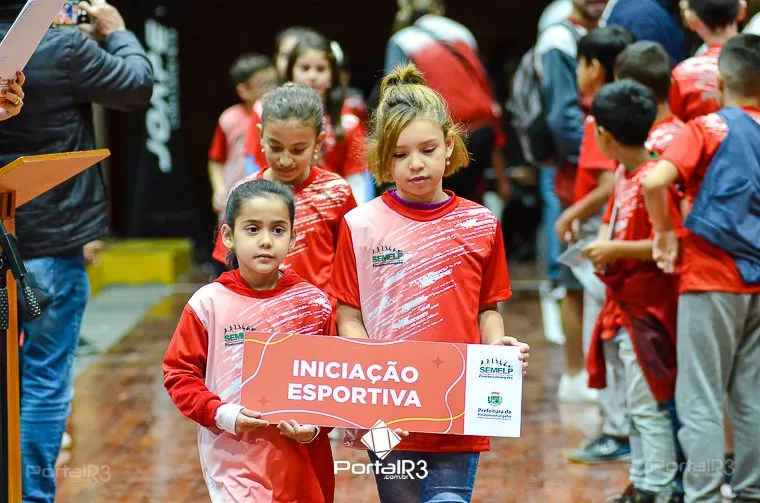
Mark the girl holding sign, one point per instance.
(420, 263)
(244, 458)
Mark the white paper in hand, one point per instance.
(25, 35)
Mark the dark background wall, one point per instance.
(212, 34)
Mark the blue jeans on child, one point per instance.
(447, 477)
(46, 360)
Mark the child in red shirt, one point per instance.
(253, 75)
(635, 331)
(420, 263)
(292, 131)
(719, 313)
(243, 458)
(312, 63)
(715, 21)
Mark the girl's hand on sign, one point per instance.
(298, 432)
(401, 433)
(248, 420)
(524, 355)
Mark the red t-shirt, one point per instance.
(632, 223)
(591, 160)
(705, 266)
(662, 134)
(422, 275)
(344, 157)
(321, 202)
(694, 90)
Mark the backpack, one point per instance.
(526, 108)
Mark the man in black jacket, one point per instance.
(68, 72)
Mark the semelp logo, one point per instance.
(493, 368)
(386, 255)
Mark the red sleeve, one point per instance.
(495, 286)
(344, 282)
(687, 150)
(591, 157)
(608, 212)
(185, 371)
(355, 159)
(348, 204)
(218, 150)
(676, 100)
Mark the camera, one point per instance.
(71, 14)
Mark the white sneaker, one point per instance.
(727, 492)
(575, 389)
(66, 441)
(550, 313)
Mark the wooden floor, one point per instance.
(132, 445)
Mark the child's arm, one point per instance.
(602, 252)
(350, 322)
(655, 186)
(491, 326)
(218, 187)
(586, 207)
(185, 380)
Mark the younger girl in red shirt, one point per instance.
(243, 458)
(420, 263)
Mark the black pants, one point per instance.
(465, 182)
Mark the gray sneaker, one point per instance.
(604, 449)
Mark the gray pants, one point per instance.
(653, 452)
(719, 362)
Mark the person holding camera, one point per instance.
(103, 63)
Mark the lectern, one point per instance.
(21, 181)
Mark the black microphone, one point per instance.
(16, 265)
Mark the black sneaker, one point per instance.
(641, 496)
(623, 498)
(604, 449)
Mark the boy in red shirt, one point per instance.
(252, 75)
(635, 331)
(596, 56)
(719, 312)
(715, 21)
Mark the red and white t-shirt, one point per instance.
(229, 140)
(344, 157)
(321, 202)
(422, 275)
(202, 371)
(632, 223)
(694, 91)
(662, 134)
(705, 266)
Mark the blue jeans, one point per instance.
(448, 477)
(46, 361)
(552, 209)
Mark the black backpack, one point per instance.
(526, 108)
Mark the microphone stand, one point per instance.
(10, 260)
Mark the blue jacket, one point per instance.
(726, 211)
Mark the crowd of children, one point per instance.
(666, 205)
